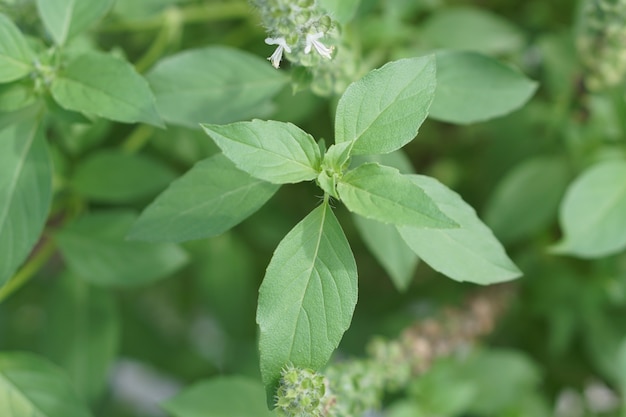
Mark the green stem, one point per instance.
(32, 266)
(137, 139)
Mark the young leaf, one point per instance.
(32, 386)
(225, 396)
(468, 253)
(307, 297)
(81, 333)
(66, 18)
(106, 86)
(592, 214)
(390, 249)
(116, 177)
(383, 111)
(213, 85)
(208, 200)
(95, 249)
(473, 88)
(381, 193)
(25, 192)
(16, 57)
(272, 151)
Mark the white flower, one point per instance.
(312, 42)
(278, 53)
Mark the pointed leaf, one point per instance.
(593, 212)
(472, 87)
(272, 151)
(208, 200)
(25, 192)
(468, 253)
(95, 249)
(16, 57)
(32, 386)
(66, 18)
(307, 297)
(383, 111)
(106, 86)
(381, 193)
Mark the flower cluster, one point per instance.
(600, 42)
(302, 393)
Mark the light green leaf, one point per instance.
(592, 214)
(81, 334)
(383, 111)
(514, 215)
(307, 297)
(116, 177)
(16, 96)
(226, 396)
(32, 386)
(208, 200)
(470, 29)
(95, 249)
(390, 249)
(473, 88)
(273, 151)
(106, 86)
(213, 85)
(16, 57)
(25, 192)
(66, 18)
(341, 10)
(381, 193)
(468, 253)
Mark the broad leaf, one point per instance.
(208, 200)
(116, 177)
(16, 96)
(381, 193)
(473, 88)
(512, 214)
(307, 297)
(66, 18)
(25, 192)
(16, 57)
(593, 212)
(272, 151)
(95, 249)
(32, 386)
(383, 111)
(390, 249)
(342, 10)
(226, 396)
(213, 85)
(468, 253)
(81, 334)
(109, 87)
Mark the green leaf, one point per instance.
(208, 200)
(473, 88)
(94, 248)
(383, 111)
(32, 386)
(81, 334)
(341, 10)
(25, 192)
(468, 253)
(381, 193)
(470, 29)
(116, 177)
(390, 249)
(106, 86)
(307, 297)
(272, 151)
(67, 18)
(514, 215)
(16, 57)
(226, 396)
(592, 212)
(16, 96)
(213, 85)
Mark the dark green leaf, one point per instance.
(16, 57)
(66, 18)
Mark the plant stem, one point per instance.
(32, 266)
(137, 139)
